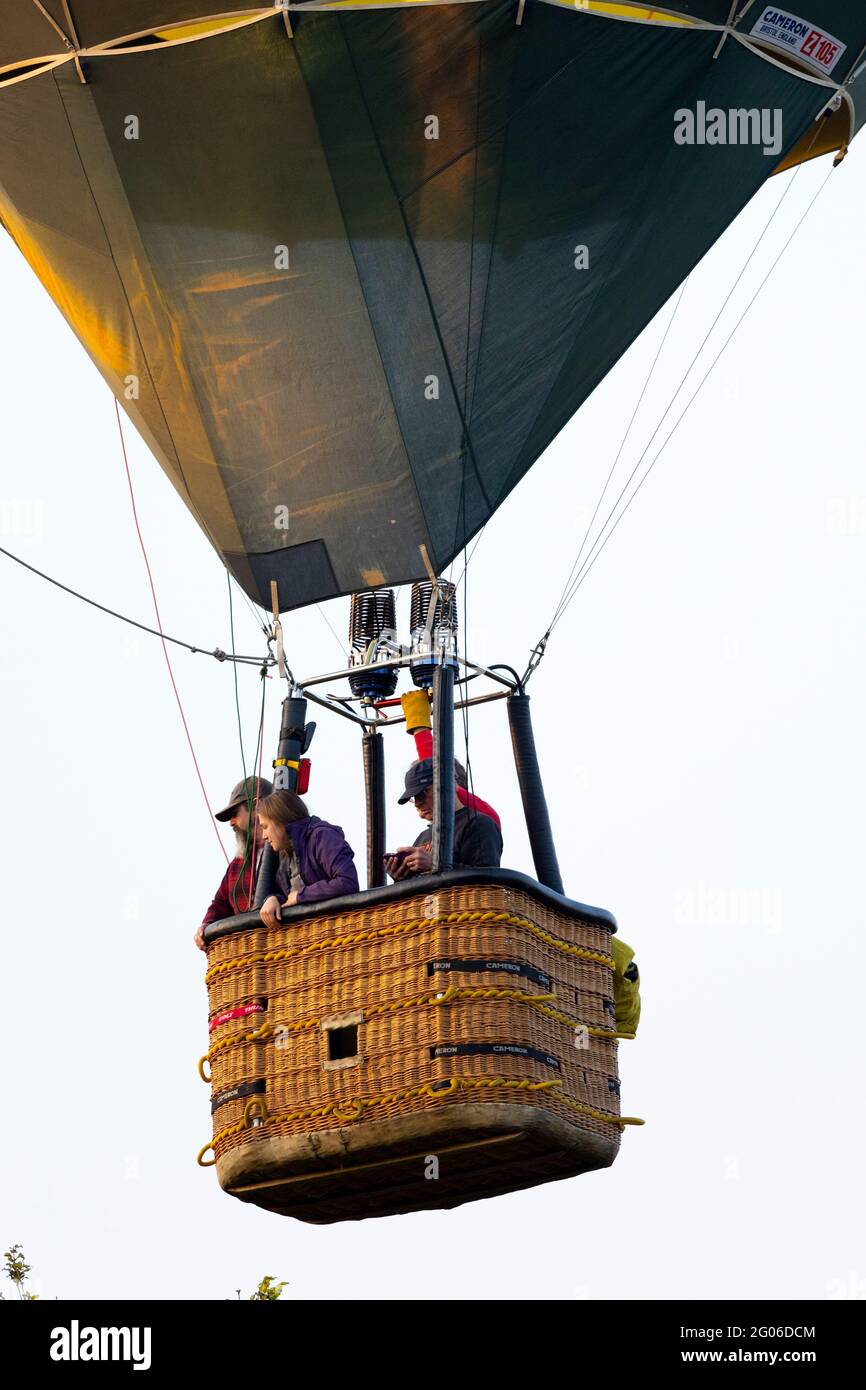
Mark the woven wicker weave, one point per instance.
(399, 1124)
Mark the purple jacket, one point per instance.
(325, 861)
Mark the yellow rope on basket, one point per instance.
(400, 928)
(436, 998)
(348, 1111)
(436, 1091)
(256, 1109)
(352, 1111)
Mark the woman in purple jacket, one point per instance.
(315, 860)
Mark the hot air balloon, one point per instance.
(350, 268)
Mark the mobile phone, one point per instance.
(398, 854)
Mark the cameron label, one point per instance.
(815, 47)
(257, 1006)
(507, 967)
(494, 1049)
(248, 1088)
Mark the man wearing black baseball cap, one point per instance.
(477, 839)
(238, 886)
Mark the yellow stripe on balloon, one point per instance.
(617, 11)
(632, 12)
(194, 31)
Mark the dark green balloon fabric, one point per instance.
(337, 278)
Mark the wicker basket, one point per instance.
(413, 1048)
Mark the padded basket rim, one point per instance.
(423, 886)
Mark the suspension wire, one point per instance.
(257, 617)
(250, 848)
(217, 652)
(591, 559)
(573, 584)
(623, 443)
(728, 297)
(470, 780)
(234, 898)
(450, 569)
(327, 620)
(466, 558)
(260, 752)
(235, 674)
(159, 625)
(688, 371)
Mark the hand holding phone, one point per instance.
(394, 862)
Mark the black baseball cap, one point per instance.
(419, 776)
(251, 789)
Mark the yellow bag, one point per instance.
(416, 707)
(626, 987)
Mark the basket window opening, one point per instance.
(342, 1043)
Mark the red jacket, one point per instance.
(232, 895)
(424, 746)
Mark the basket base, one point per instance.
(385, 1168)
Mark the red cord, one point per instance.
(162, 639)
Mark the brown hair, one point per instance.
(283, 806)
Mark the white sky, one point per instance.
(699, 716)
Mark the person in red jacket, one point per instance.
(237, 889)
(416, 708)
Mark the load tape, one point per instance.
(247, 1088)
(257, 1006)
(498, 1049)
(509, 967)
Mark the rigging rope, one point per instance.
(470, 780)
(326, 619)
(164, 647)
(257, 617)
(575, 580)
(250, 837)
(251, 846)
(563, 604)
(235, 674)
(468, 557)
(591, 559)
(623, 443)
(217, 652)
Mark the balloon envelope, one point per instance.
(350, 281)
